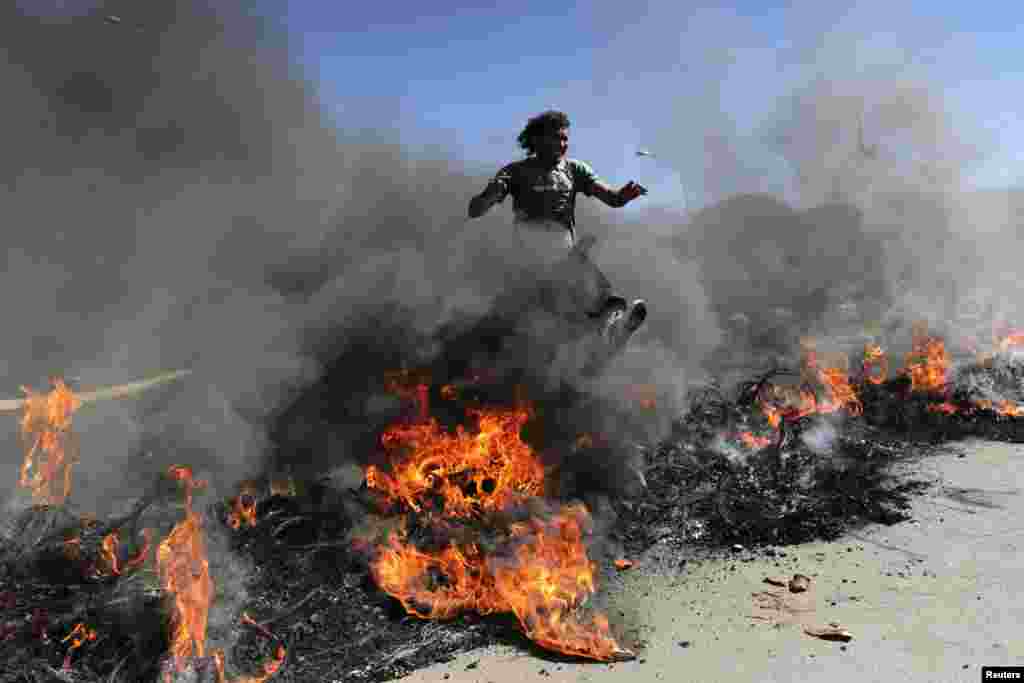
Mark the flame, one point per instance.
(468, 473)
(109, 562)
(50, 452)
(927, 362)
(1003, 407)
(536, 569)
(543, 576)
(550, 580)
(243, 506)
(272, 665)
(79, 636)
(139, 557)
(824, 388)
(833, 376)
(184, 573)
(435, 585)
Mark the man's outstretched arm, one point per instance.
(482, 203)
(494, 193)
(618, 198)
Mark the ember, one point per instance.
(80, 635)
(243, 506)
(644, 395)
(270, 667)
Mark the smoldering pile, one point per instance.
(788, 456)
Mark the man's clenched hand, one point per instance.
(631, 191)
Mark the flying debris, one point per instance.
(112, 19)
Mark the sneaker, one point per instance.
(637, 315)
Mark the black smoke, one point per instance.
(176, 195)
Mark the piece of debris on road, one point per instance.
(799, 583)
(831, 632)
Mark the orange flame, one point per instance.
(927, 362)
(548, 583)
(434, 585)
(833, 377)
(184, 572)
(139, 557)
(109, 562)
(543, 576)
(79, 636)
(825, 387)
(50, 452)
(243, 506)
(545, 580)
(1003, 407)
(272, 665)
(468, 473)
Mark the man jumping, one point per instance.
(558, 273)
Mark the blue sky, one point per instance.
(652, 74)
(687, 81)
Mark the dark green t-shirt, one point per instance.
(541, 192)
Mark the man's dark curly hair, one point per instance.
(540, 124)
